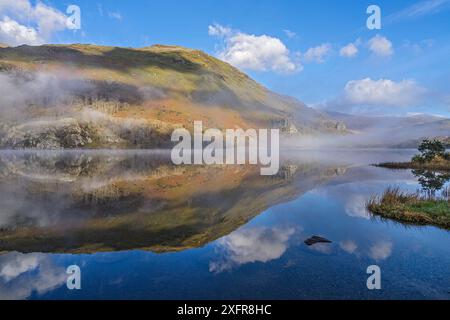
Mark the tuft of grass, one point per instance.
(412, 208)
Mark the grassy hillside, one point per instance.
(124, 97)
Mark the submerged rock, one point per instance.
(316, 239)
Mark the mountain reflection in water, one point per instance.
(91, 202)
(140, 227)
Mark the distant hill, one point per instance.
(72, 96)
(396, 131)
(366, 123)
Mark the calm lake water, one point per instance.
(140, 228)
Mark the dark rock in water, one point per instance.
(316, 239)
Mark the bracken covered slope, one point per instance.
(72, 96)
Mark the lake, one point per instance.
(141, 228)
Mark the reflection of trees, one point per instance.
(431, 181)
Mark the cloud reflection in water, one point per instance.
(251, 245)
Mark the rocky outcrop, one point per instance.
(85, 129)
(64, 133)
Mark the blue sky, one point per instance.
(292, 47)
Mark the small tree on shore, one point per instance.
(429, 150)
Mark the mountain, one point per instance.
(367, 123)
(72, 96)
(396, 131)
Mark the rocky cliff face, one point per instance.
(76, 133)
(64, 133)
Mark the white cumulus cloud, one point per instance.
(379, 96)
(23, 23)
(383, 92)
(349, 51)
(13, 33)
(290, 34)
(219, 30)
(252, 52)
(381, 46)
(317, 54)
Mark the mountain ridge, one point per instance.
(396, 131)
(160, 87)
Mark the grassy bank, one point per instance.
(438, 164)
(433, 156)
(412, 208)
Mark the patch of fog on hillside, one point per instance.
(21, 91)
(391, 134)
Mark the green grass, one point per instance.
(431, 207)
(412, 208)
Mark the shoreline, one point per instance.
(437, 166)
(412, 208)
